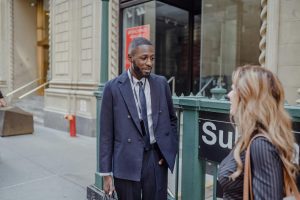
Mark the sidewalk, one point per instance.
(46, 165)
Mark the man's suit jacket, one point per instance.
(121, 142)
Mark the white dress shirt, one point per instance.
(147, 90)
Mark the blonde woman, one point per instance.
(257, 107)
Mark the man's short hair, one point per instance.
(138, 41)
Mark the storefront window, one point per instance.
(199, 46)
(167, 28)
(196, 54)
(229, 38)
(172, 45)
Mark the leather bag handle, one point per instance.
(247, 190)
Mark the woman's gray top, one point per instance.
(266, 169)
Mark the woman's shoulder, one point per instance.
(262, 142)
(261, 148)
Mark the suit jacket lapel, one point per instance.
(155, 97)
(127, 94)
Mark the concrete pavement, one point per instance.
(46, 165)
(50, 165)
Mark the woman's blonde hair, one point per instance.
(260, 109)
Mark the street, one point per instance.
(47, 164)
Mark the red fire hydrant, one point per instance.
(72, 120)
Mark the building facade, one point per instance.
(198, 45)
(56, 43)
(17, 50)
(75, 49)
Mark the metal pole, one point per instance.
(103, 78)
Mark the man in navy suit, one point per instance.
(138, 129)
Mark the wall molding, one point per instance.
(114, 38)
(272, 35)
(7, 34)
(263, 30)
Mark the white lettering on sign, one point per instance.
(229, 140)
(211, 138)
(210, 133)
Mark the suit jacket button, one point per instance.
(128, 116)
(160, 111)
(129, 140)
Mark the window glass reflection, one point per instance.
(229, 38)
(172, 50)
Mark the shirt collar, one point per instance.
(133, 79)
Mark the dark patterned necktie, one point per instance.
(144, 122)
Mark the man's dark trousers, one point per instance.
(153, 184)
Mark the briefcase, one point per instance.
(94, 193)
(104, 196)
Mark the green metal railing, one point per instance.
(103, 77)
(194, 169)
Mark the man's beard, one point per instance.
(139, 72)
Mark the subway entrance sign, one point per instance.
(217, 136)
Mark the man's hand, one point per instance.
(2, 102)
(108, 185)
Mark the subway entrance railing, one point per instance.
(206, 137)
